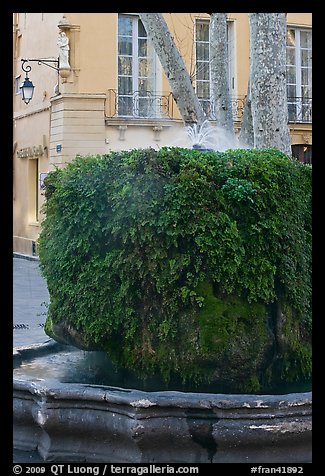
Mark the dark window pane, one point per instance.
(306, 92)
(291, 74)
(291, 56)
(125, 106)
(206, 106)
(292, 112)
(305, 39)
(306, 76)
(141, 29)
(202, 51)
(306, 112)
(124, 85)
(202, 70)
(202, 89)
(143, 47)
(202, 31)
(291, 92)
(125, 45)
(144, 107)
(305, 58)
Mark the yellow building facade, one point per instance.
(116, 96)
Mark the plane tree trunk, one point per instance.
(175, 69)
(268, 81)
(219, 72)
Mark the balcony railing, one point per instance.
(147, 105)
(140, 105)
(300, 109)
(237, 106)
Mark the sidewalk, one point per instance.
(29, 292)
(29, 295)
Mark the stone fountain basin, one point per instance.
(71, 422)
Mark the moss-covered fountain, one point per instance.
(189, 269)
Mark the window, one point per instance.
(299, 74)
(33, 190)
(202, 63)
(136, 69)
(17, 84)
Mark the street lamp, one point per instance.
(27, 87)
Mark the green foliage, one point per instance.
(295, 360)
(130, 237)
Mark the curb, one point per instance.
(22, 256)
(34, 350)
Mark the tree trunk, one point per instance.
(219, 72)
(174, 67)
(246, 136)
(268, 81)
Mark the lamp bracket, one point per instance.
(44, 61)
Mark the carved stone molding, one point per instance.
(157, 130)
(122, 130)
(306, 138)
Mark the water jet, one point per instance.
(207, 136)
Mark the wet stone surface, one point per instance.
(71, 365)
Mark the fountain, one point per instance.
(82, 422)
(75, 414)
(207, 137)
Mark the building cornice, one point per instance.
(132, 121)
(78, 96)
(21, 115)
(299, 25)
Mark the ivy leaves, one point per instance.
(128, 238)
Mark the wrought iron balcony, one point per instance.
(140, 104)
(237, 106)
(147, 105)
(300, 109)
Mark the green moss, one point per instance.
(228, 338)
(251, 385)
(48, 327)
(295, 360)
(223, 319)
(216, 325)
